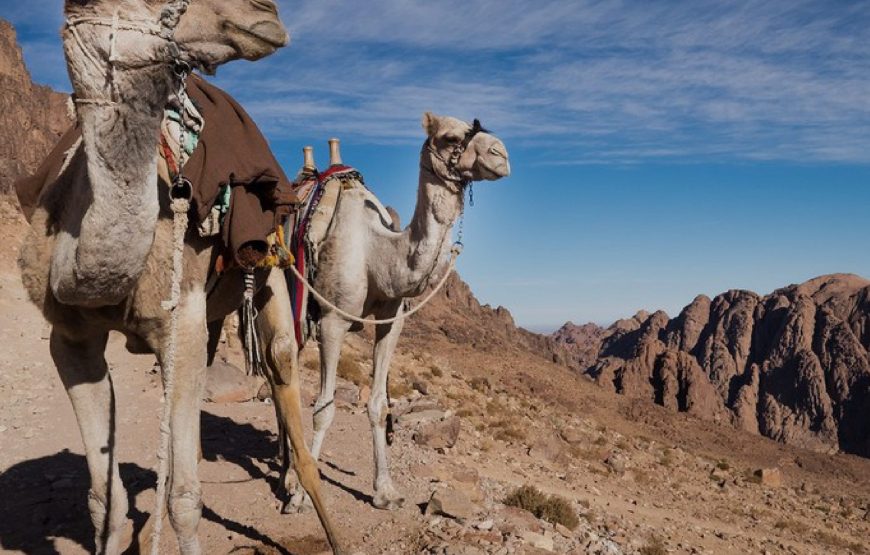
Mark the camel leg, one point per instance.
(185, 495)
(332, 330)
(85, 375)
(275, 323)
(386, 337)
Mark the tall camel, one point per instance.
(98, 255)
(366, 268)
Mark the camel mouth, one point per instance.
(271, 33)
(260, 39)
(494, 172)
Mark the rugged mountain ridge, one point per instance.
(33, 117)
(791, 365)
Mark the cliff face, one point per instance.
(792, 365)
(32, 117)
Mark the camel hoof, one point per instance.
(299, 503)
(388, 500)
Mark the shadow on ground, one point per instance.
(46, 498)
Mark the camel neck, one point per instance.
(439, 204)
(100, 264)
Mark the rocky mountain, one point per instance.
(457, 314)
(791, 365)
(32, 116)
(583, 342)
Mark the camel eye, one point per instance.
(452, 139)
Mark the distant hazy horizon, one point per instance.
(659, 150)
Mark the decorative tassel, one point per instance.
(248, 329)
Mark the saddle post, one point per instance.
(334, 152)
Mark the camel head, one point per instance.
(464, 152)
(105, 37)
(217, 31)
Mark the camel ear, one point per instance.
(430, 123)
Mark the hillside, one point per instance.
(32, 117)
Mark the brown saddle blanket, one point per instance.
(232, 151)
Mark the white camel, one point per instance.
(367, 268)
(98, 256)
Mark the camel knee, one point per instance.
(378, 410)
(185, 510)
(324, 413)
(283, 352)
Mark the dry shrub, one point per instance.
(480, 384)
(350, 369)
(436, 371)
(553, 508)
(832, 540)
(723, 465)
(398, 388)
(667, 458)
(653, 546)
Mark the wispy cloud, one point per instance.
(598, 82)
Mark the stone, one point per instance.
(442, 434)
(539, 541)
(770, 477)
(225, 383)
(485, 525)
(421, 386)
(616, 463)
(572, 436)
(414, 418)
(563, 530)
(347, 393)
(451, 503)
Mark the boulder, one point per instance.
(539, 541)
(770, 477)
(226, 383)
(451, 503)
(441, 434)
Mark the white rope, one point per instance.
(180, 208)
(454, 254)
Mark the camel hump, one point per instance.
(397, 222)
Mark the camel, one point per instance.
(366, 267)
(100, 249)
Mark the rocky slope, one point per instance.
(32, 116)
(792, 365)
(457, 314)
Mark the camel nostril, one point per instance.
(496, 151)
(267, 5)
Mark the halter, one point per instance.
(164, 28)
(453, 174)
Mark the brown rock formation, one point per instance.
(458, 315)
(792, 365)
(31, 116)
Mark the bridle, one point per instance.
(164, 28)
(452, 172)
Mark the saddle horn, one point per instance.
(308, 164)
(334, 152)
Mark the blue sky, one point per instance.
(659, 149)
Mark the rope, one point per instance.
(180, 208)
(454, 254)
